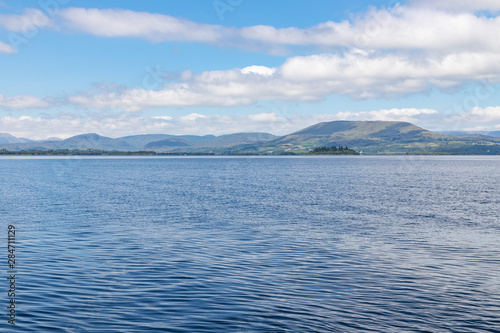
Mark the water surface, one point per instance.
(255, 244)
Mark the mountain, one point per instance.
(360, 133)
(367, 137)
(7, 138)
(376, 137)
(150, 142)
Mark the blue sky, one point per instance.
(222, 66)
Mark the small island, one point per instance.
(333, 150)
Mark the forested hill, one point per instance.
(378, 137)
(366, 137)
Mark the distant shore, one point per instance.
(87, 152)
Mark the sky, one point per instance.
(117, 68)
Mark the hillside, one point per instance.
(151, 142)
(367, 137)
(377, 137)
(7, 138)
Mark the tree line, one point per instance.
(333, 150)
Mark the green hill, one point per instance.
(367, 137)
(151, 142)
(377, 137)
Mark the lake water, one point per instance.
(253, 244)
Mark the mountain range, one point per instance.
(7, 139)
(367, 137)
(145, 142)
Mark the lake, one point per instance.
(253, 244)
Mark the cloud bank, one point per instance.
(433, 26)
(384, 53)
(279, 122)
(400, 27)
(306, 79)
(22, 102)
(150, 26)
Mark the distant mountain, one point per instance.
(7, 138)
(367, 137)
(190, 143)
(376, 137)
(150, 142)
(360, 133)
(165, 145)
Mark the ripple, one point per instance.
(256, 245)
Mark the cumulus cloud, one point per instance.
(489, 114)
(405, 114)
(153, 27)
(384, 53)
(259, 70)
(411, 27)
(478, 115)
(65, 125)
(22, 102)
(22, 27)
(306, 79)
(401, 27)
(136, 99)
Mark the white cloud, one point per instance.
(22, 27)
(459, 5)
(387, 53)
(478, 118)
(259, 70)
(307, 79)
(153, 27)
(26, 22)
(163, 117)
(406, 114)
(192, 117)
(134, 100)
(278, 123)
(266, 117)
(22, 102)
(123, 124)
(6, 48)
(400, 28)
(478, 115)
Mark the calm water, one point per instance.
(313, 244)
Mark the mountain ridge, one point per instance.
(156, 142)
(367, 137)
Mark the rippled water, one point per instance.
(254, 244)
